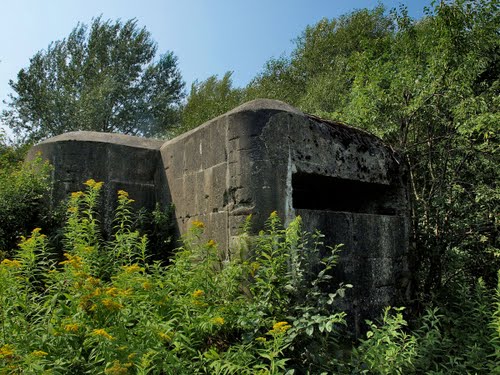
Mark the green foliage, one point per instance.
(106, 309)
(387, 348)
(459, 338)
(430, 88)
(24, 189)
(209, 99)
(102, 77)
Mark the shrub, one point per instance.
(23, 192)
(106, 309)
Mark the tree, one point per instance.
(431, 88)
(102, 78)
(209, 99)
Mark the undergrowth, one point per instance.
(108, 308)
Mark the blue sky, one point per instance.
(208, 37)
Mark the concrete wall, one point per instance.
(265, 156)
(121, 161)
(261, 157)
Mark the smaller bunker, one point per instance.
(121, 161)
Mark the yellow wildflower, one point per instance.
(11, 263)
(131, 356)
(117, 368)
(73, 260)
(72, 210)
(103, 333)
(132, 268)
(198, 224)
(211, 243)
(71, 327)
(93, 281)
(126, 292)
(93, 184)
(39, 353)
(280, 327)
(165, 336)
(198, 293)
(274, 214)
(111, 305)
(36, 230)
(122, 194)
(76, 194)
(6, 351)
(218, 320)
(146, 285)
(113, 291)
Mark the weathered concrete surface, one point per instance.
(261, 157)
(265, 156)
(120, 161)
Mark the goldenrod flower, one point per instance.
(6, 351)
(111, 305)
(11, 263)
(72, 210)
(198, 293)
(73, 260)
(118, 368)
(131, 356)
(198, 224)
(93, 281)
(36, 230)
(103, 333)
(39, 353)
(122, 194)
(165, 336)
(280, 327)
(132, 268)
(76, 194)
(274, 214)
(218, 320)
(71, 327)
(211, 243)
(113, 291)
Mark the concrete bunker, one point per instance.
(266, 156)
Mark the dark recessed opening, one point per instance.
(318, 192)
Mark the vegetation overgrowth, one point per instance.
(104, 308)
(23, 198)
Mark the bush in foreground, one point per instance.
(106, 309)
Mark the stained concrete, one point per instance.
(121, 161)
(265, 156)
